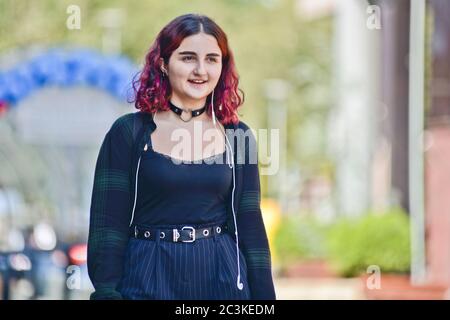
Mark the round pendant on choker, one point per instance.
(186, 115)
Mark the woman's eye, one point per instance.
(191, 58)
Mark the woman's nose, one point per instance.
(200, 69)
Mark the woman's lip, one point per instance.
(197, 85)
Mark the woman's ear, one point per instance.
(163, 69)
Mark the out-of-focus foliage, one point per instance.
(299, 238)
(269, 39)
(351, 245)
(380, 239)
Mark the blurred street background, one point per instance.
(358, 206)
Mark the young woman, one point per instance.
(177, 219)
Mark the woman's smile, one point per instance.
(197, 85)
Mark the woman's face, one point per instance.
(197, 58)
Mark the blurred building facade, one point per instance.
(372, 135)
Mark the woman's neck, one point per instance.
(172, 117)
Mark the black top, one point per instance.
(175, 192)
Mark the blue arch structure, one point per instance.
(65, 68)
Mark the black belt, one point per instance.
(185, 234)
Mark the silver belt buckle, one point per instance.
(192, 234)
(176, 235)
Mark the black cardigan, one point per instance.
(113, 197)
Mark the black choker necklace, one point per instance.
(179, 112)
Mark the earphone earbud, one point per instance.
(240, 285)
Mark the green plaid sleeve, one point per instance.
(252, 232)
(110, 210)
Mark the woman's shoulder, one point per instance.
(124, 121)
(245, 130)
(246, 139)
(127, 123)
(132, 118)
(127, 127)
(122, 128)
(242, 125)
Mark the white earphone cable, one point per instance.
(135, 190)
(239, 284)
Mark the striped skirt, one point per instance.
(205, 269)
